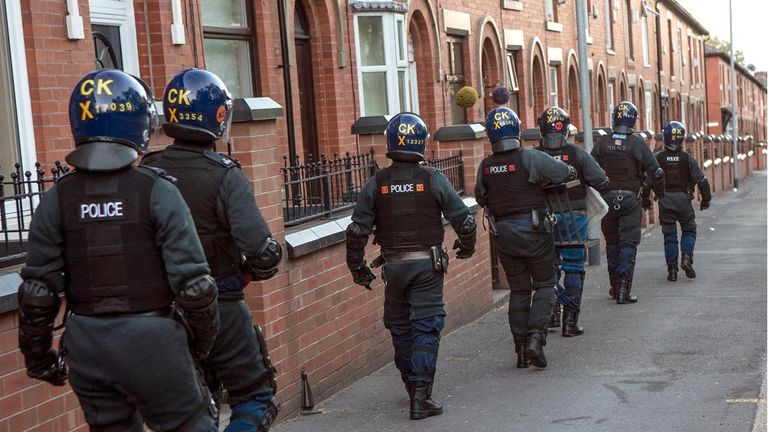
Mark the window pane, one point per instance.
(512, 71)
(553, 86)
(608, 25)
(223, 13)
(375, 93)
(646, 54)
(231, 61)
(458, 58)
(9, 149)
(401, 88)
(549, 10)
(371, 39)
(400, 47)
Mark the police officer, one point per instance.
(510, 187)
(198, 108)
(628, 161)
(682, 174)
(119, 242)
(553, 124)
(404, 201)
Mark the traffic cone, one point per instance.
(307, 400)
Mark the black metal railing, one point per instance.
(317, 189)
(19, 197)
(452, 167)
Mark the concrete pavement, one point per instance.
(690, 356)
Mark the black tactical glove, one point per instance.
(363, 275)
(198, 303)
(49, 368)
(704, 205)
(646, 202)
(463, 252)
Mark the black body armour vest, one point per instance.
(199, 177)
(676, 170)
(619, 163)
(408, 218)
(113, 263)
(568, 154)
(509, 191)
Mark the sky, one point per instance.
(750, 19)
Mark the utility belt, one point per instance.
(540, 220)
(438, 255)
(231, 297)
(163, 312)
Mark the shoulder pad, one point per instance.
(158, 172)
(222, 159)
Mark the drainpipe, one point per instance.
(281, 7)
(662, 114)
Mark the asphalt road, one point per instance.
(690, 356)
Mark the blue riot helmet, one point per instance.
(674, 135)
(112, 115)
(624, 117)
(407, 136)
(553, 124)
(197, 107)
(503, 129)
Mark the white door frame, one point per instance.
(119, 13)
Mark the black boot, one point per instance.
(422, 405)
(624, 297)
(672, 272)
(534, 350)
(522, 361)
(408, 387)
(571, 323)
(554, 322)
(686, 262)
(614, 280)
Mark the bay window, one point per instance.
(383, 63)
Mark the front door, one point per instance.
(306, 86)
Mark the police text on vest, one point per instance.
(103, 210)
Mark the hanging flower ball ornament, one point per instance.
(500, 95)
(466, 97)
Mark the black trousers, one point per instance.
(129, 371)
(236, 359)
(528, 258)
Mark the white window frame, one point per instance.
(681, 52)
(549, 10)
(514, 83)
(392, 63)
(553, 96)
(22, 99)
(646, 51)
(609, 88)
(119, 13)
(648, 109)
(683, 103)
(413, 75)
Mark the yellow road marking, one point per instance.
(746, 400)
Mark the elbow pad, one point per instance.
(467, 233)
(356, 242)
(38, 306)
(659, 183)
(571, 173)
(263, 265)
(200, 308)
